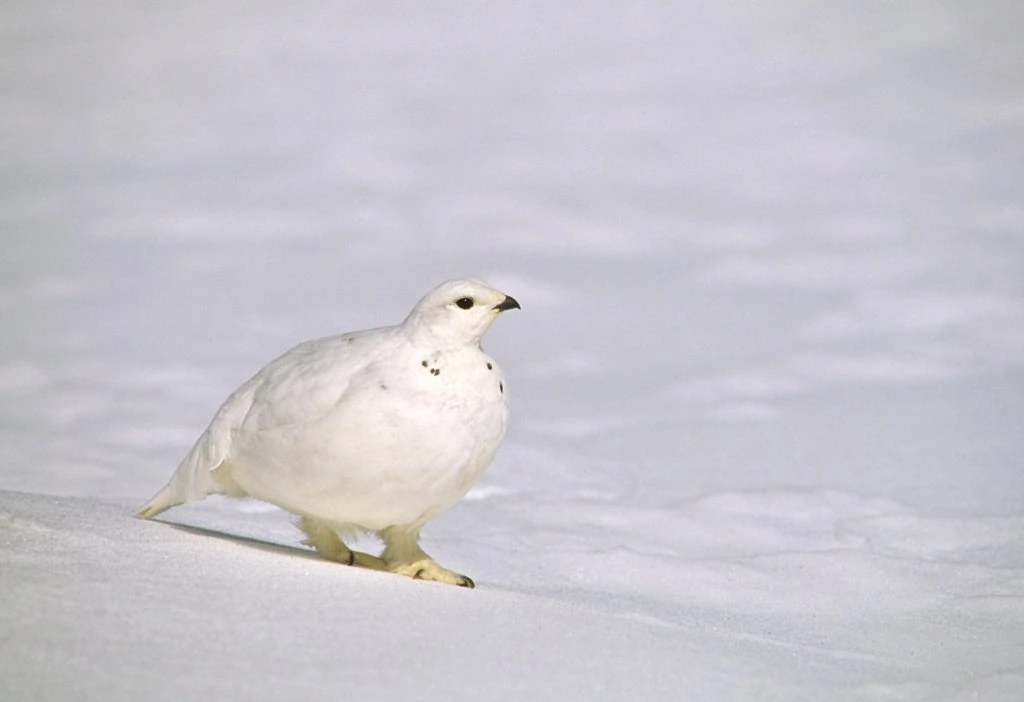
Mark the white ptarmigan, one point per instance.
(377, 430)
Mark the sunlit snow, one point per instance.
(767, 436)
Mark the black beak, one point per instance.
(509, 303)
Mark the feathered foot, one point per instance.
(428, 569)
(328, 544)
(403, 555)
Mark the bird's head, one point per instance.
(457, 312)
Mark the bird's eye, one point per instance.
(464, 302)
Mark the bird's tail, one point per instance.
(161, 502)
(196, 477)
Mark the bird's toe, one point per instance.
(428, 569)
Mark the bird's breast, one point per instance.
(464, 397)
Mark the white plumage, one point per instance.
(377, 430)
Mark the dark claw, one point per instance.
(466, 581)
(351, 558)
(419, 573)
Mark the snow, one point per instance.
(781, 595)
(767, 385)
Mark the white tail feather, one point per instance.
(161, 502)
(194, 479)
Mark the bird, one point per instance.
(374, 431)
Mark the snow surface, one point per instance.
(767, 385)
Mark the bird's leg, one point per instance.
(328, 544)
(403, 555)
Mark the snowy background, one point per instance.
(768, 381)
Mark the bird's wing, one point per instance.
(308, 381)
(301, 386)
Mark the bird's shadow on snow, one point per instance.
(249, 541)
